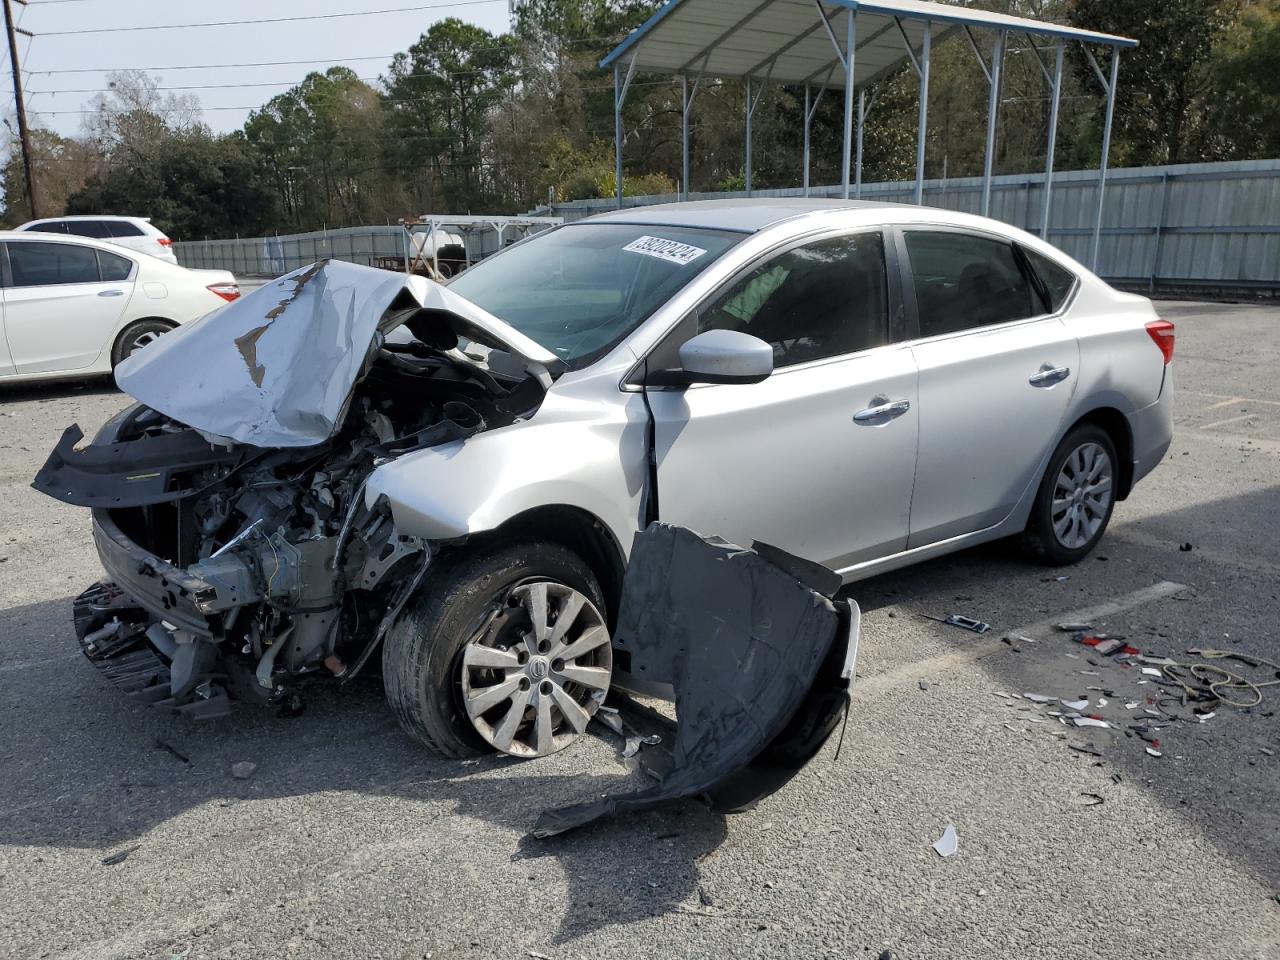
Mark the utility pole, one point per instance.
(23, 134)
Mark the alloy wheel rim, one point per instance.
(142, 340)
(1081, 495)
(535, 673)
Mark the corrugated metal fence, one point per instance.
(1212, 225)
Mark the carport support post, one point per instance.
(619, 95)
(747, 176)
(850, 45)
(684, 136)
(806, 139)
(857, 164)
(1053, 140)
(993, 116)
(922, 122)
(1106, 151)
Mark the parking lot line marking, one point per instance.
(882, 682)
(1220, 557)
(1223, 423)
(1228, 399)
(1260, 444)
(25, 664)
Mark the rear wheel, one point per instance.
(505, 649)
(1076, 497)
(136, 336)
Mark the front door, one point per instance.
(818, 459)
(59, 313)
(996, 376)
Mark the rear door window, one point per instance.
(46, 264)
(822, 299)
(964, 281)
(94, 229)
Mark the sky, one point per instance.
(56, 96)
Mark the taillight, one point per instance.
(227, 291)
(164, 241)
(1162, 332)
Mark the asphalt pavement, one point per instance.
(123, 833)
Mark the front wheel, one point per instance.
(505, 648)
(1076, 497)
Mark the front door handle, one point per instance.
(1049, 375)
(882, 408)
(111, 293)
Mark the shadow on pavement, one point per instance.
(87, 768)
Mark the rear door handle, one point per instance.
(1049, 375)
(111, 293)
(882, 408)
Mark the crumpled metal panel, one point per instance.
(276, 367)
(760, 660)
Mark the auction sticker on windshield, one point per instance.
(672, 250)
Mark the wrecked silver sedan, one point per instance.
(349, 463)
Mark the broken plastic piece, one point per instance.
(1041, 698)
(759, 657)
(948, 843)
(1075, 704)
(1090, 722)
(964, 623)
(1154, 752)
(1074, 627)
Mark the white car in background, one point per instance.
(135, 233)
(75, 307)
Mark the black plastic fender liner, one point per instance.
(761, 663)
(132, 473)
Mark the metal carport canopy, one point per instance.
(811, 42)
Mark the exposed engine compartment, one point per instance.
(234, 569)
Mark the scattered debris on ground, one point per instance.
(243, 770)
(1167, 693)
(964, 623)
(120, 856)
(948, 843)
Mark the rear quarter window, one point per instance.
(93, 229)
(1058, 280)
(113, 268)
(123, 228)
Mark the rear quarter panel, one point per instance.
(1120, 366)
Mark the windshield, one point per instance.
(578, 290)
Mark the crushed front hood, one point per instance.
(276, 368)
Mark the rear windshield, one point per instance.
(580, 289)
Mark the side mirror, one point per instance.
(725, 356)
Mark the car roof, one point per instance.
(39, 236)
(91, 216)
(747, 214)
(752, 214)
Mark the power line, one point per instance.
(244, 23)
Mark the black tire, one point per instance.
(127, 342)
(1039, 542)
(421, 655)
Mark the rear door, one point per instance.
(60, 312)
(818, 458)
(997, 371)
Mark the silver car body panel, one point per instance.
(783, 460)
